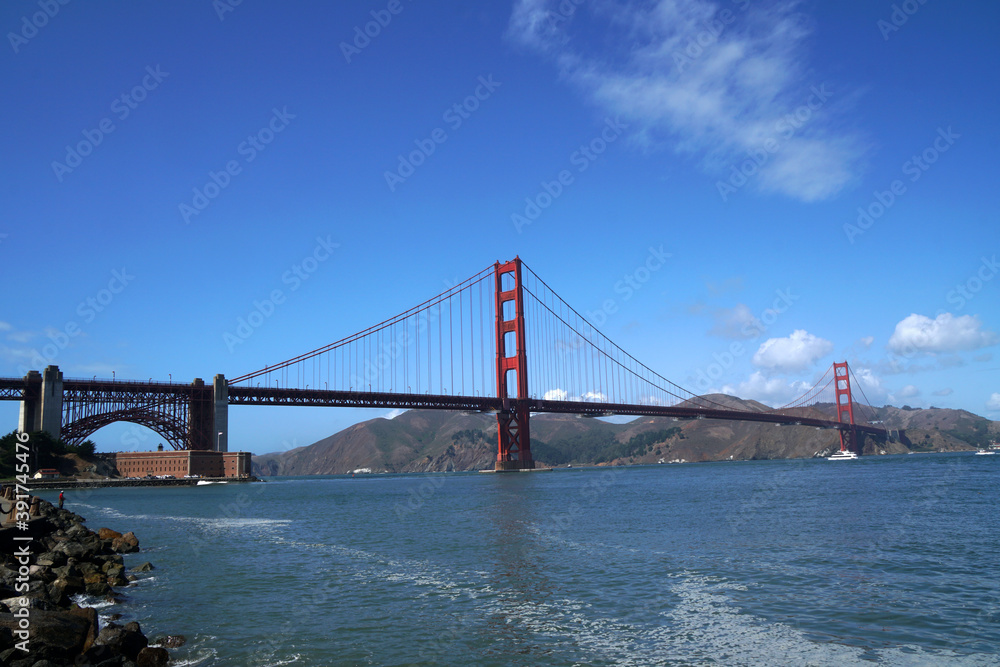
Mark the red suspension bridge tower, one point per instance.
(845, 407)
(513, 434)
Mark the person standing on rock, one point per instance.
(61, 499)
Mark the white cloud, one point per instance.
(994, 402)
(947, 391)
(563, 395)
(794, 353)
(392, 414)
(871, 384)
(719, 94)
(909, 391)
(775, 392)
(5, 326)
(919, 334)
(736, 323)
(867, 341)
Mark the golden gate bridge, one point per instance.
(502, 341)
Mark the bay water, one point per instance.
(885, 560)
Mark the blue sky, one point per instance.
(823, 176)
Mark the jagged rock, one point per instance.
(98, 588)
(145, 567)
(131, 539)
(152, 657)
(123, 546)
(117, 581)
(169, 641)
(77, 531)
(100, 655)
(71, 584)
(57, 593)
(74, 550)
(108, 534)
(124, 641)
(87, 569)
(57, 635)
(51, 559)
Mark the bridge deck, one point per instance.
(14, 389)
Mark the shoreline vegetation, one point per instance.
(42, 584)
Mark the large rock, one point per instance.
(131, 539)
(169, 641)
(122, 546)
(108, 534)
(145, 567)
(51, 559)
(57, 634)
(78, 531)
(122, 640)
(74, 550)
(152, 657)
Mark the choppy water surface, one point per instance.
(886, 560)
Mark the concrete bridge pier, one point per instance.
(220, 391)
(41, 409)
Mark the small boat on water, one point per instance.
(985, 452)
(205, 482)
(843, 455)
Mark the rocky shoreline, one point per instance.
(66, 559)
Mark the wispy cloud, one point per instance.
(706, 78)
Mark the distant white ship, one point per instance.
(985, 452)
(361, 471)
(843, 455)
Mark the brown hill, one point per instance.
(428, 440)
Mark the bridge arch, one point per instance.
(171, 428)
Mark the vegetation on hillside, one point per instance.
(598, 446)
(976, 434)
(45, 452)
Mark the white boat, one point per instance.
(843, 455)
(984, 452)
(204, 482)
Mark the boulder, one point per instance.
(56, 634)
(57, 593)
(126, 642)
(77, 531)
(145, 567)
(86, 568)
(122, 546)
(74, 550)
(51, 559)
(131, 539)
(90, 616)
(98, 588)
(108, 534)
(152, 657)
(100, 655)
(169, 641)
(117, 580)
